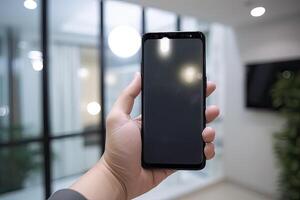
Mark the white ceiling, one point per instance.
(230, 12)
(82, 15)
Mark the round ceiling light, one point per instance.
(258, 11)
(30, 4)
(124, 41)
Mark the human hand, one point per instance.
(121, 163)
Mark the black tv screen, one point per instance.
(260, 78)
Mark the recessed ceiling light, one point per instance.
(30, 4)
(258, 11)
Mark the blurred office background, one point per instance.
(63, 63)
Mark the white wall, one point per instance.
(275, 40)
(248, 157)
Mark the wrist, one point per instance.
(103, 179)
(112, 179)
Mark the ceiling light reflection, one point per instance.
(30, 4)
(124, 41)
(36, 59)
(190, 74)
(4, 111)
(164, 46)
(83, 72)
(111, 79)
(286, 74)
(93, 108)
(35, 55)
(37, 65)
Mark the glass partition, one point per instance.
(20, 101)
(122, 46)
(74, 66)
(159, 20)
(20, 72)
(74, 82)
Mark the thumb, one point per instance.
(125, 101)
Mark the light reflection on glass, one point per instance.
(124, 41)
(286, 74)
(93, 108)
(37, 65)
(36, 60)
(83, 72)
(111, 79)
(30, 4)
(164, 46)
(190, 74)
(4, 111)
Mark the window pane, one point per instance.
(21, 175)
(122, 49)
(74, 66)
(73, 156)
(159, 20)
(20, 71)
(4, 88)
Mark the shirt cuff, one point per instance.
(67, 194)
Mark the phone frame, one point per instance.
(174, 35)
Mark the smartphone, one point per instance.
(173, 100)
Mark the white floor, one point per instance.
(224, 191)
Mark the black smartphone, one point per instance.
(173, 100)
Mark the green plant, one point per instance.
(286, 97)
(16, 162)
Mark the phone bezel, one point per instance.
(174, 35)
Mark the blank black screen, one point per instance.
(261, 77)
(173, 98)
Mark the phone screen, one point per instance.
(173, 101)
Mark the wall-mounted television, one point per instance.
(260, 78)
